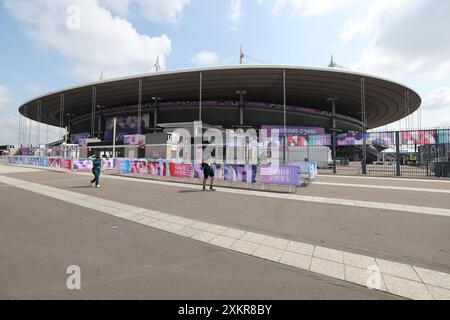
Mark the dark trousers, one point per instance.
(96, 177)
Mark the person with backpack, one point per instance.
(208, 171)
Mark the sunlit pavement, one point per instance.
(137, 238)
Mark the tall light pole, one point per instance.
(114, 137)
(364, 125)
(241, 94)
(139, 107)
(155, 115)
(284, 116)
(333, 126)
(200, 98)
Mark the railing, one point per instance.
(292, 176)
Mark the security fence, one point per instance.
(391, 153)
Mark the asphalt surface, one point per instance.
(41, 237)
(411, 238)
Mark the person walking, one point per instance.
(97, 164)
(208, 171)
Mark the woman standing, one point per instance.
(97, 163)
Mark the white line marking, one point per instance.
(314, 199)
(323, 200)
(372, 186)
(261, 246)
(385, 178)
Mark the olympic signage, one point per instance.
(283, 175)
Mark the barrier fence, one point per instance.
(385, 153)
(295, 174)
(388, 153)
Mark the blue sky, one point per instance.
(407, 41)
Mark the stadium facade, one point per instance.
(227, 97)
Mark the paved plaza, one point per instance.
(145, 239)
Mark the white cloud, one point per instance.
(305, 8)
(405, 37)
(5, 99)
(168, 11)
(438, 99)
(102, 40)
(34, 89)
(235, 10)
(205, 58)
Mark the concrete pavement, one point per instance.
(398, 237)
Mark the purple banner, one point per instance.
(198, 171)
(242, 173)
(76, 137)
(283, 175)
(125, 125)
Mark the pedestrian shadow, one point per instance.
(189, 191)
(80, 187)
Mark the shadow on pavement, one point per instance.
(190, 191)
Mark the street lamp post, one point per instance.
(241, 94)
(155, 117)
(333, 125)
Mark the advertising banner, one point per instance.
(54, 162)
(76, 137)
(282, 175)
(180, 170)
(198, 171)
(134, 139)
(82, 164)
(86, 164)
(242, 173)
(443, 136)
(157, 168)
(381, 138)
(294, 130)
(125, 125)
(123, 165)
(349, 138)
(418, 137)
(308, 169)
(138, 166)
(34, 161)
(25, 151)
(67, 164)
(43, 162)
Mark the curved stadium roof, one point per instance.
(305, 86)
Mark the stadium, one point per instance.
(316, 100)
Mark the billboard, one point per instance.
(125, 125)
(76, 137)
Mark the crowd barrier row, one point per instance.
(294, 173)
(291, 174)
